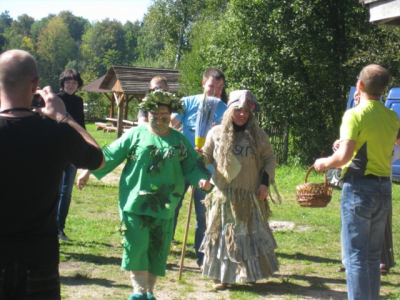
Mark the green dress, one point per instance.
(150, 188)
(152, 180)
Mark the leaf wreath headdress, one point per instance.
(160, 97)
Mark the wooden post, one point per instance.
(186, 232)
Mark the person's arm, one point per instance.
(142, 117)
(339, 158)
(208, 149)
(336, 145)
(83, 178)
(262, 192)
(55, 110)
(175, 123)
(205, 185)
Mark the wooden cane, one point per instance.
(186, 233)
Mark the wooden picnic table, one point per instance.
(113, 121)
(130, 123)
(113, 125)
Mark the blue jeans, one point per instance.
(200, 220)
(19, 281)
(364, 207)
(67, 183)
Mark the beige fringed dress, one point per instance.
(238, 243)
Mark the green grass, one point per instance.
(309, 254)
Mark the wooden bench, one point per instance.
(113, 121)
(130, 123)
(100, 125)
(110, 129)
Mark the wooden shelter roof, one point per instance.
(95, 86)
(122, 84)
(136, 80)
(383, 12)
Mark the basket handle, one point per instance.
(325, 177)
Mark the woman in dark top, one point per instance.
(70, 80)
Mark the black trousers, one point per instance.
(29, 282)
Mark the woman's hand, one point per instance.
(204, 184)
(199, 150)
(262, 192)
(83, 179)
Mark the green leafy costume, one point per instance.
(150, 188)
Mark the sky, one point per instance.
(93, 10)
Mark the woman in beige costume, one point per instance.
(238, 244)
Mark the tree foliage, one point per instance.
(104, 45)
(299, 57)
(55, 48)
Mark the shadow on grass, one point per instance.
(316, 290)
(189, 254)
(301, 256)
(91, 258)
(175, 267)
(85, 244)
(75, 281)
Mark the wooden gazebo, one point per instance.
(122, 84)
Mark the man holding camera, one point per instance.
(33, 153)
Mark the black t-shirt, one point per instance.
(74, 106)
(33, 154)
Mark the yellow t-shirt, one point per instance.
(375, 128)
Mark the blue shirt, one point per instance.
(189, 116)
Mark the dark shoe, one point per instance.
(150, 296)
(175, 242)
(137, 296)
(341, 269)
(218, 285)
(62, 236)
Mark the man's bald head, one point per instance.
(18, 70)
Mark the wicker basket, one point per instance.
(313, 194)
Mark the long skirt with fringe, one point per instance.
(238, 243)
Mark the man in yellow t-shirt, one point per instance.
(368, 133)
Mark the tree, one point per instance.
(23, 24)
(166, 28)
(298, 56)
(55, 49)
(131, 41)
(103, 41)
(5, 23)
(76, 25)
(38, 26)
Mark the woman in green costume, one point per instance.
(157, 160)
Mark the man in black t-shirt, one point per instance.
(33, 154)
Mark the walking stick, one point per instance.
(186, 233)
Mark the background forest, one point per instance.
(299, 57)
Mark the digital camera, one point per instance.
(37, 101)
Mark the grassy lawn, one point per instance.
(308, 253)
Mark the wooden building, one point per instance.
(383, 12)
(123, 84)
